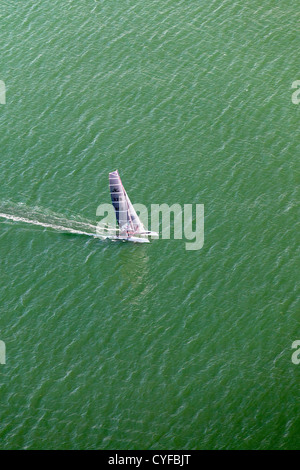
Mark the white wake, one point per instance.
(48, 219)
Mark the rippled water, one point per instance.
(116, 345)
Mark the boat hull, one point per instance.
(130, 239)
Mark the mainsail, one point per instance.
(126, 215)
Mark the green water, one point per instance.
(124, 346)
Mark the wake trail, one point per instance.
(44, 224)
(48, 219)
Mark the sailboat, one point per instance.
(130, 226)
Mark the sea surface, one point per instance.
(113, 345)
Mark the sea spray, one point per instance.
(20, 212)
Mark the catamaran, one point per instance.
(130, 226)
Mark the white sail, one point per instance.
(126, 215)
